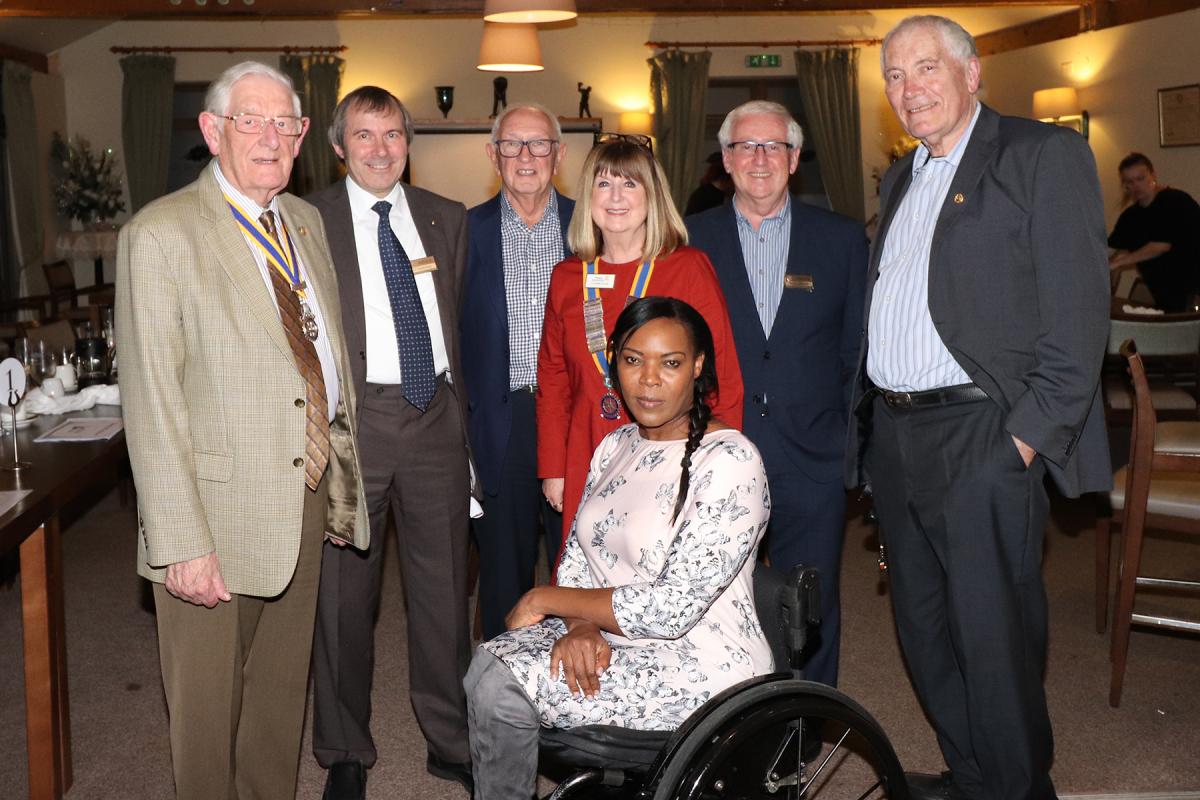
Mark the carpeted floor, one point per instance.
(118, 718)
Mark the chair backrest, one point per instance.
(60, 280)
(1142, 433)
(56, 335)
(786, 607)
(1166, 335)
(1126, 280)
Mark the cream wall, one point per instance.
(410, 56)
(1117, 72)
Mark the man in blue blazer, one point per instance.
(793, 277)
(516, 238)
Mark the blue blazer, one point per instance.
(483, 324)
(798, 380)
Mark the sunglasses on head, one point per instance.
(637, 139)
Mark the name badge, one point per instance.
(599, 281)
(422, 265)
(797, 281)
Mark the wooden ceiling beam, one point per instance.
(1093, 16)
(35, 61)
(375, 9)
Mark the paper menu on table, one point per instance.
(84, 429)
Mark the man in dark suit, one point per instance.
(516, 238)
(399, 253)
(793, 279)
(987, 318)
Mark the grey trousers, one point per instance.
(504, 731)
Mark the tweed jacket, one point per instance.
(212, 399)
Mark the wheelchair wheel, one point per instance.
(759, 744)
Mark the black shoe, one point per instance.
(451, 771)
(923, 786)
(347, 780)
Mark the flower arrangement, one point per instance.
(87, 190)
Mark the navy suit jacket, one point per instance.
(484, 327)
(798, 380)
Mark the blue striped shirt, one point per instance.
(765, 252)
(906, 354)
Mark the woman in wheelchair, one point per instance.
(654, 611)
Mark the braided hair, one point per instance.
(651, 308)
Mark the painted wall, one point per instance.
(1117, 72)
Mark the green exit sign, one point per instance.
(763, 60)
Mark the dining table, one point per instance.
(58, 474)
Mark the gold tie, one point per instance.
(316, 450)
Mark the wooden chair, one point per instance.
(1160, 488)
(1170, 347)
(64, 296)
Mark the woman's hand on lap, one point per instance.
(583, 654)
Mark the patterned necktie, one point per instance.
(408, 315)
(316, 406)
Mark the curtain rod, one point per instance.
(802, 43)
(255, 49)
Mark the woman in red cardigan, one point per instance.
(629, 242)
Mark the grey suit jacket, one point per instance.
(442, 226)
(209, 389)
(1018, 289)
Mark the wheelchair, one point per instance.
(774, 736)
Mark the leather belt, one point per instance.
(946, 396)
(530, 388)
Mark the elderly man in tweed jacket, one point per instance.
(239, 417)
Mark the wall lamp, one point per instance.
(1060, 106)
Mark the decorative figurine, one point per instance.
(499, 94)
(584, 93)
(445, 99)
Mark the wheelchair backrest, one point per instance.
(786, 606)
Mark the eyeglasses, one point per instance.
(257, 123)
(538, 148)
(633, 138)
(750, 148)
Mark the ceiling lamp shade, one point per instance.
(528, 11)
(509, 48)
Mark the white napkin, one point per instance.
(1128, 309)
(37, 402)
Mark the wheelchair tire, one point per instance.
(740, 751)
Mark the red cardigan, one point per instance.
(569, 384)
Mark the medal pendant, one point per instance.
(610, 406)
(308, 321)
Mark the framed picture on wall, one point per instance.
(1179, 116)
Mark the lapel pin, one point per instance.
(959, 199)
(433, 222)
(303, 231)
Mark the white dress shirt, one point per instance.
(323, 348)
(383, 353)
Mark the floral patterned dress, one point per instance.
(683, 596)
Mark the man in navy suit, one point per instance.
(516, 238)
(793, 277)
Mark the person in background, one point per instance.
(987, 318)
(629, 242)
(239, 417)
(654, 611)
(716, 187)
(400, 253)
(516, 238)
(793, 277)
(1159, 233)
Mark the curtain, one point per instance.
(678, 86)
(317, 80)
(829, 90)
(25, 232)
(147, 97)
